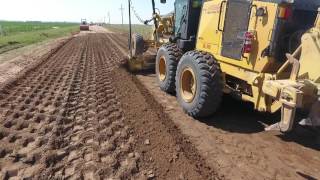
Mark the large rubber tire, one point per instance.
(172, 54)
(137, 45)
(208, 81)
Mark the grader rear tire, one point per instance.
(199, 84)
(167, 60)
(137, 45)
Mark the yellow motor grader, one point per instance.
(263, 51)
(143, 51)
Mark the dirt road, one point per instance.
(68, 118)
(76, 114)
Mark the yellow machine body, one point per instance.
(309, 60)
(210, 38)
(270, 84)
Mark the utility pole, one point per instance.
(121, 9)
(130, 33)
(109, 16)
(1, 31)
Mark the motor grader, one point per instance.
(263, 51)
(143, 51)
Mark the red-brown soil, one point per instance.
(74, 114)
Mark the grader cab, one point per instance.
(264, 52)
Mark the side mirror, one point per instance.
(163, 1)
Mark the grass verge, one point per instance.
(18, 34)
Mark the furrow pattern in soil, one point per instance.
(63, 120)
(76, 115)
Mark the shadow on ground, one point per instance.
(240, 117)
(237, 116)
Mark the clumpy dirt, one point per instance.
(164, 150)
(67, 117)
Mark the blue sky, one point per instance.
(74, 10)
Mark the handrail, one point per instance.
(219, 21)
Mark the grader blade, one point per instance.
(135, 64)
(142, 62)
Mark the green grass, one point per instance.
(145, 30)
(18, 34)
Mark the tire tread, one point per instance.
(211, 92)
(174, 54)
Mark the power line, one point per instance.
(136, 14)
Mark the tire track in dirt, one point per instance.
(98, 142)
(29, 111)
(67, 118)
(62, 120)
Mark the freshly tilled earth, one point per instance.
(68, 117)
(76, 113)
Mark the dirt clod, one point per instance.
(147, 142)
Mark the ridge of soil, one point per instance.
(170, 154)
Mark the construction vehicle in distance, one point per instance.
(84, 26)
(263, 51)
